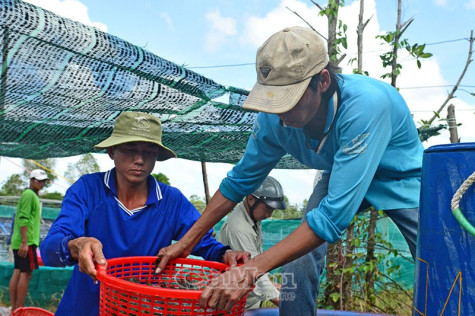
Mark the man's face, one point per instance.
(37, 184)
(261, 211)
(134, 161)
(303, 111)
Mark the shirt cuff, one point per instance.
(228, 192)
(63, 252)
(221, 252)
(323, 226)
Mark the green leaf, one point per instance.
(335, 297)
(344, 43)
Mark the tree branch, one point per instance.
(406, 24)
(321, 9)
(340, 59)
(451, 94)
(367, 21)
(306, 22)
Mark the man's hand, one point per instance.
(169, 253)
(232, 257)
(23, 250)
(228, 288)
(87, 251)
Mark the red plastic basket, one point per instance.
(31, 311)
(128, 286)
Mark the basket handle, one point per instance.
(456, 212)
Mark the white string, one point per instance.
(458, 194)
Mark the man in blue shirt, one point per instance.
(357, 129)
(122, 212)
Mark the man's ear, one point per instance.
(325, 81)
(250, 200)
(110, 152)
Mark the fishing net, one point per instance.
(63, 84)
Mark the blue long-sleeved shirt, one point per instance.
(91, 208)
(371, 149)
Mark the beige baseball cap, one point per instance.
(137, 127)
(285, 64)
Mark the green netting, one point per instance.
(274, 230)
(45, 289)
(63, 84)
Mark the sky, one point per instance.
(219, 39)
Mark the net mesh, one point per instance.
(63, 84)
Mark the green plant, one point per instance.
(371, 278)
(390, 58)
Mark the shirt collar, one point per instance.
(154, 192)
(247, 217)
(331, 113)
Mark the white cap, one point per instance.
(38, 174)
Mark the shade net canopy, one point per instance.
(64, 83)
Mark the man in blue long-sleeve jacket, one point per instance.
(121, 212)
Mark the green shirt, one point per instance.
(27, 214)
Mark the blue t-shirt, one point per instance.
(371, 149)
(91, 208)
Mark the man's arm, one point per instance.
(217, 208)
(229, 287)
(23, 250)
(69, 225)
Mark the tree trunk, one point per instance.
(333, 278)
(396, 44)
(332, 23)
(347, 297)
(359, 41)
(454, 137)
(369, 286)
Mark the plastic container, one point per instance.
(31, 311)
(445, 273)
(128, 286)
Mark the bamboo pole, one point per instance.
(205, 181)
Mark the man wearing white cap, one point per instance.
(122, 212)
(26, 238)
(357, 129)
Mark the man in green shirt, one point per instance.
(26, 238)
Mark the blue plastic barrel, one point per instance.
(445, 262)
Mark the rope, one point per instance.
(28, 170)
(455, 205)
(46, 168)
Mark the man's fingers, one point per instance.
(232, 261)
(205, 295)
(98, 254)
(86, 264)
(246, 257)
(90, 252)
(161, 261)
(230, 303)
